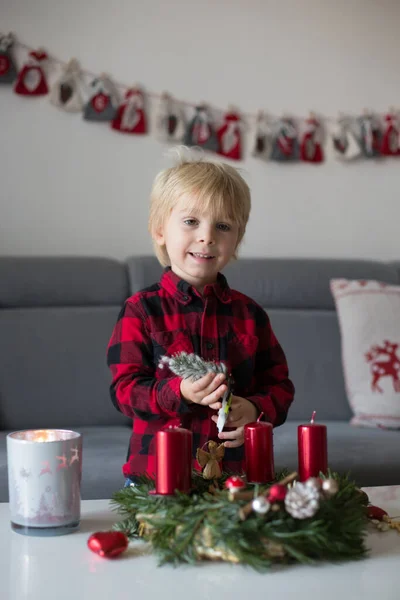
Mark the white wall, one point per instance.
(71, 187)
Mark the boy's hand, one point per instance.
(206, 391)
(242, 412)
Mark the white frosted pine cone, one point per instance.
(302, 501)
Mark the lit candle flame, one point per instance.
(40, 436)
(44, 435)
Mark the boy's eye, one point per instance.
(190, 222)
(223, 227)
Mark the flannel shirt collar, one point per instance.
(184, 292)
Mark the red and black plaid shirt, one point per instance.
(222, 325)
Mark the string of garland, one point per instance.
(211, 523)
(283, 139)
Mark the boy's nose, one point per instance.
(206, 237)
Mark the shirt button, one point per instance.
(210, 346)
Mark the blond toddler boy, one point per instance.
(198, 216)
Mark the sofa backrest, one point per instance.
(61, 281)
(56, 317)
(296, 295)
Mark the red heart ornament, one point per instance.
(108, 543)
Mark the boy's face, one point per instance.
(198, 246)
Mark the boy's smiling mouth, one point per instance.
(201, 255)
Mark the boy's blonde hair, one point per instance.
(217, 188)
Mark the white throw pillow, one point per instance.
(369, 320)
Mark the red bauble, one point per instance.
(374, 512)
(108, 543)
(234, 483)
(277, 493)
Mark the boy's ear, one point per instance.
(159, 237)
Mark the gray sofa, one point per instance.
(56, 317)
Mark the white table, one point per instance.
(63, 567)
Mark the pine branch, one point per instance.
(191, 366)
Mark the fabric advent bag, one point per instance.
(131, 114)
(103, 100)
(171, 122)
(8, 71)
(31, 80)
(369, 321)
(66, 92)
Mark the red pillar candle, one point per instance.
(173, 460)
(259, 452)
(312, 449)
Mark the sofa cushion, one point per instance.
(299, 283)
(53, 369)
(143, 271)
(369, 317)
(311, 342)
(104, 453)
(59, 281)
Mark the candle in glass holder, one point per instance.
(173, 460)
(259, 452)
(312, 449)
(44, 478)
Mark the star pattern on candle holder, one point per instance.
(25, 473)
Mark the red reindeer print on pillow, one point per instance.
(387, 366)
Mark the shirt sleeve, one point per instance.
(135, 391)
(274, 390)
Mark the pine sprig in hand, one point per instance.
(191, 366)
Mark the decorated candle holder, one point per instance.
(44, 477)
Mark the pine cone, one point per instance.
(302, 500)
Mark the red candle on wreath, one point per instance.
(173, 460)
(259, 452)
(312, 449)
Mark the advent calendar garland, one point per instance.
(284, 139)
